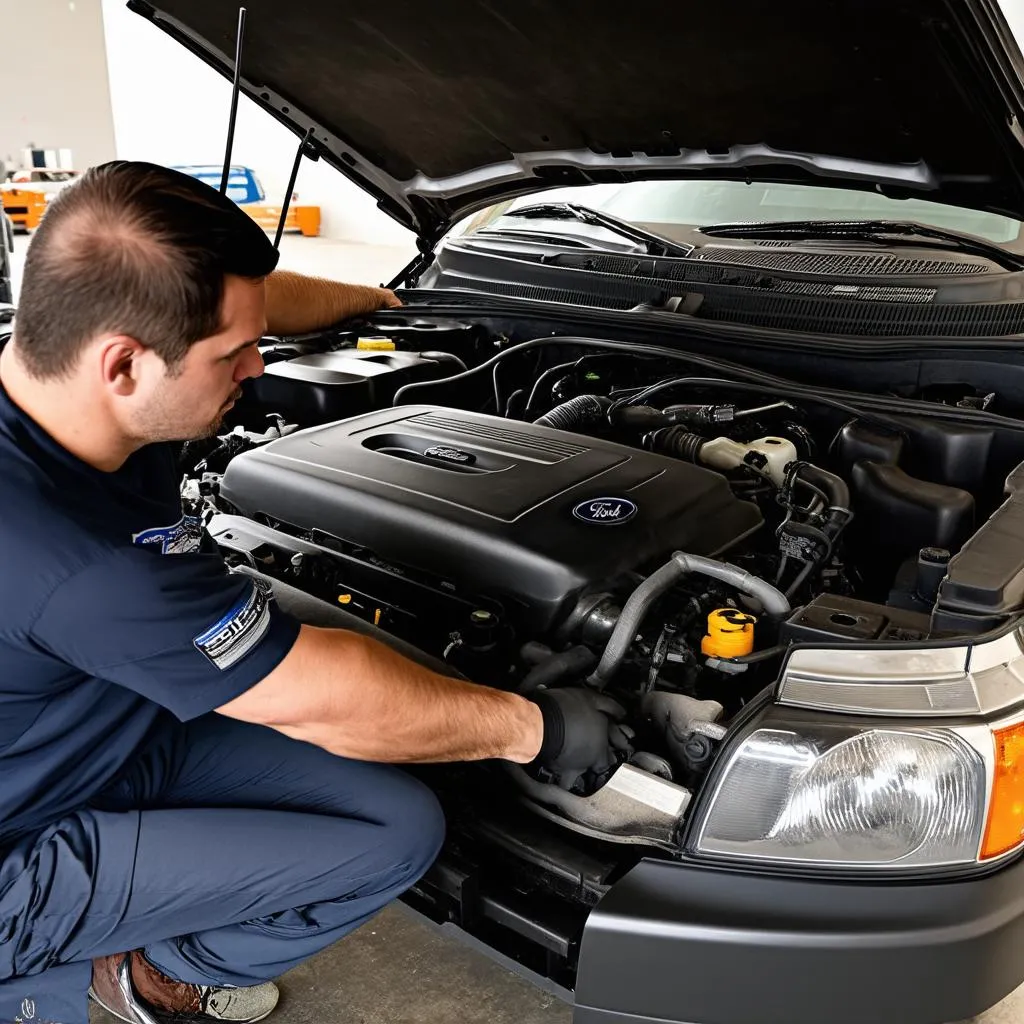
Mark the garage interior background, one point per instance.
(105, 83)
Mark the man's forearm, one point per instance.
(356, 697)
(298, 303)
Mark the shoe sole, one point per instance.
(127, 1020)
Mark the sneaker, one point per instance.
(133, 990)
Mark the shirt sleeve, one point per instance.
(181, 630)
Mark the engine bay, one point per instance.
(545, 509)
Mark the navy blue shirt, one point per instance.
(113, 614)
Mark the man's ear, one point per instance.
(120, 363)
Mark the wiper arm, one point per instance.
(655, 244)
(867, 230)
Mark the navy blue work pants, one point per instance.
(229, 852)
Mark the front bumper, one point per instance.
(675, 942)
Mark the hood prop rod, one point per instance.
(234, 100)
(306, 148)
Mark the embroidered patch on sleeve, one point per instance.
(228, 641)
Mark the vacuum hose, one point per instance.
(772, 600)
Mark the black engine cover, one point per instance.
(528, 515)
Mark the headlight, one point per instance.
(838, 793)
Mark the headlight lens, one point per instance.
(842, 794)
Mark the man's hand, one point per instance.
(581, 731)
(388, 299)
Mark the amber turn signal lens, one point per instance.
(1005, 828)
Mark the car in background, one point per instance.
(244, 188)
(28, 192)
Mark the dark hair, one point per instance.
(136, 249)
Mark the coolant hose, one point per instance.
(833, 486)
(581, 411)
(838, 513)
(772, 600)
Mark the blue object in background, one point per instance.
(243, 185)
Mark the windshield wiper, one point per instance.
(655, 244)
(882, 231)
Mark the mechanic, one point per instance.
(200, 789)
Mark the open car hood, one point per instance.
(441, 109)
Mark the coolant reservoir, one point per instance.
(730, 634)
(725, 453)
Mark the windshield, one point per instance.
(677, 208)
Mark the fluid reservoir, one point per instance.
(773, 455)
(730, 634)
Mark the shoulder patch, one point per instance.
(228, 641)
(181, 538)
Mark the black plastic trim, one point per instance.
(703, 946)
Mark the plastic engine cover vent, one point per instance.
(515, 511)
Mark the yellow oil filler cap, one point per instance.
(730, 633)
(376, 344)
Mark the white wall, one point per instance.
(170, 108)
(1013, 11)
(53, 80)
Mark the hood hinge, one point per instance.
(413, 270)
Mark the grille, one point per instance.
(817, 315)
(852, 264)
(864, 293)
(481, 430)
(631, 294)
(882, 319)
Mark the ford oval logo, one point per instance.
(605, 511)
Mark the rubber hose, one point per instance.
(838, 494)
(746, 380)
(676, 441)
(772, 600)
(640, 417)
(574, 661)
(834, 486)
(581, 411)
(446, 357)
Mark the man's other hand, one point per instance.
(298, 303)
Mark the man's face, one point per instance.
(190, 400)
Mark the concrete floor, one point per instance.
(397, 969)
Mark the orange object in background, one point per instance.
(25, 207)
(26, 195)
(300, 218)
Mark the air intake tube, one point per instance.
(581, 411)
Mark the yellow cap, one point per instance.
(730, 634)
(344, 599)
(376, 344)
